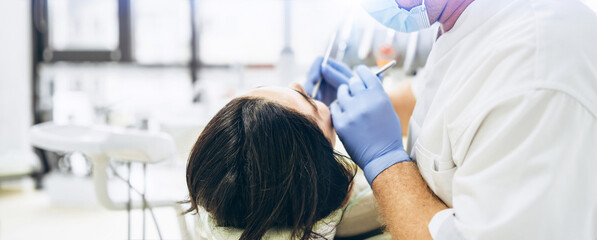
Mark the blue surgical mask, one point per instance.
(393, 16)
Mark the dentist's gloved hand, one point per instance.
(368, 125)
(334, 75)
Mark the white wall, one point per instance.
(15, 75)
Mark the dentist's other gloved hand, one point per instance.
(368, 125)
(334, 75)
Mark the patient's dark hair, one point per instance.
(259, 165)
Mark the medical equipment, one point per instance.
(386, 67)
(102, 144)
(324, 64)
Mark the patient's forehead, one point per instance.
(284, 96)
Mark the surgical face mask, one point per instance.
(393, 16)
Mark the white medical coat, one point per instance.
(505, 129)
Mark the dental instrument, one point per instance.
(324, 64)
(386, 67)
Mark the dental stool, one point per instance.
(102, 144)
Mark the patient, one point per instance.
(265, 167)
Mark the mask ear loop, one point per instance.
(424, 8)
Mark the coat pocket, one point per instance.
(438, 171)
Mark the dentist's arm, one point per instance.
(405, 201)
(371, 132)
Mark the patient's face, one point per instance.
(292, 98)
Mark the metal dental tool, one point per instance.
(386, 67)
(324, 64)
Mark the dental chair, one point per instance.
(104, 145)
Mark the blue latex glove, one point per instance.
(367, 124)
(334, 75)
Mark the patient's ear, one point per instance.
(299, 87)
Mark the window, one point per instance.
(83, 25)
(161, 31)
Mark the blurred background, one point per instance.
(159, 66)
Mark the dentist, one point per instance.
(503, 138)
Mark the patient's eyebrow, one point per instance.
(309, 99)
